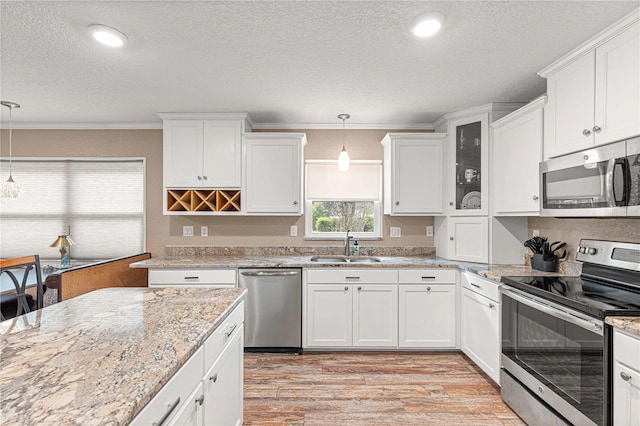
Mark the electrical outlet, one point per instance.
(204, 231)
(293, 231)
(187, 231)
(536, 232)
(429, 231)
(395, 232)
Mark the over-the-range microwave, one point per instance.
(603, 181)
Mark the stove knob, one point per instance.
(591, 251)
(582, 249)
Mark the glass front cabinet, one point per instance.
(468, 168)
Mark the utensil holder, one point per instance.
(538, 262)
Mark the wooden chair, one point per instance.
(22, 301)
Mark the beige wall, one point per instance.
(223, 230)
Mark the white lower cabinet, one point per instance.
(427, 309)
(626, 379)
(351, 308)
(208, 388)
(480, 323)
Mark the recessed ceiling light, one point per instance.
(107, 35)
(427, 24)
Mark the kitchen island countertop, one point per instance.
(100, 357)
(492, 272)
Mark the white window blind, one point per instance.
(102, 200)
(360, 182)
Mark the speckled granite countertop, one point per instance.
(100, 357)
(492, 272)
(629, 324)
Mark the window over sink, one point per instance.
(101, 199)
(340, 201)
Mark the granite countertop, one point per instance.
(492, 272)
(100, 357)
(629, 324)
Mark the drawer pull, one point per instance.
(228, 332)
(626, 377)
(352, 278)
(214, 378)
(359, 288)
(428, 278)
(200, 400)
(346, 288)
(476, 285)
(168, 413)
(491, 306)
(192, 278)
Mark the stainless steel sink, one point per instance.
(344, 259)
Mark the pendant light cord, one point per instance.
(343, 148)
(10, 143)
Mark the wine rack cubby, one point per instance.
(203, 200)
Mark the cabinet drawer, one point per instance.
(349, 275)
(423, 276)
(174, 393)
(214, 345)
(192, 276)
(483, 286)
(626, 349)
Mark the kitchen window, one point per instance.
(102, 200)
(340, 201)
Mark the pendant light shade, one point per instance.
(343, 158)
(10, 188)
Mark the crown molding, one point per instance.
(535, 104)
(83, 126)
(338, 126)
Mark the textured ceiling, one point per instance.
(286, 62)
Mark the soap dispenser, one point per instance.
(356, 248)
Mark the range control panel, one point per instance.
(610, 253)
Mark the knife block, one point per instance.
(537, 262)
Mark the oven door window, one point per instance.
(567, 358)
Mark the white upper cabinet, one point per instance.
(515, 184)
(203, 150)
(273, 173)
(594, 91)
(413, 173)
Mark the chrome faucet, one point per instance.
(347, 248)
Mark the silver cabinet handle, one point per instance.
(596, 129)
(475, 285)
(214, 378)
(451, 238)
(352, 278)
(428, 288)
(586, 132)
(397, 203)
(359, 288)
(450, 203)
(199, 177)
(200, 400)
(626, 377)
(166, 415)
(428, 278)
(192, 278)
(204, 177)
(346, 288)
(295, 203)
(585, 158)
(228, 332)
(535, 198)
(491, 306)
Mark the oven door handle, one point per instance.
(593, 326)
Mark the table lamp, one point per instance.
(64, 242)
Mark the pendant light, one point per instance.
(10, 188)
(343, 158)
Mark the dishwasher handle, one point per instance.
(269, 273)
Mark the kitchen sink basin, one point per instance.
(344, 259)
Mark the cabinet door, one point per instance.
(375, 315)
(568, 115)
(468, 239)
(480, 333)
(427, 316)
(469, 174)
(417, 177)
(273, 176)
(182, 153)
(223, 385)
(626, 395)
(222, 154)
(329, 315)
(515, 189)
(191, 411)
(617, 99)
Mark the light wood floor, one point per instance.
(354, 388)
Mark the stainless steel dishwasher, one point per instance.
(273, 309)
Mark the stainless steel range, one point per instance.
(556, 348)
